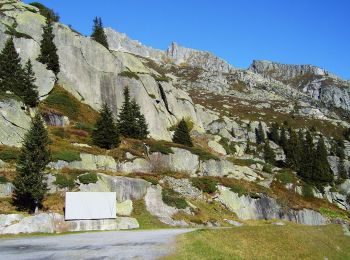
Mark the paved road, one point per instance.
(150, 244)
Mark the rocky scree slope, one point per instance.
(223, 103)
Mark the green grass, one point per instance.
(160, 147)
(145, 219)
(333, 214)
(88, 178)
(173, 199)
(205, 184)
(228, 146)
(265, 242)
(242, 162)
(202, 154)
(63, 181)
(129, 74)
(8, 154)
(285, 176)
(66, 155)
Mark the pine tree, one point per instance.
(11, 72)
(260, 134)
(321, 173)
(274, 134)
(342, 173)
(283, 142)
(308, 157)
(141, 129)
(48, 50)
(30, 186)
(98, 33)
(46, 12)
(131, 122)
(248, 149)
(269, 154)
(346, 134)
(182, 135)
(30, 93)
(340, 149)
(105, 134)
(293, 153)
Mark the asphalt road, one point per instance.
(148, 244)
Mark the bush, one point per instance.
(267, 168)
(66, 155)
(238, 189)
(84, 126)
(152, 179)
(88, 178)
(3, 179)
(129, 74)
(173, 199)
(161, 78)
(46, 12)
(8, 154)
(307, 191)
(63, 181)
(228, 146)
(60, 100)
(205, 184)
(348, 199)
(285, 177)
(161, 148)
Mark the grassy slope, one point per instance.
(265, 242)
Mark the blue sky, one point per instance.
(288, 31)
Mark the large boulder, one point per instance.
(184, 187)
(137, 165)
(126, 188)
(124, 208)
(41, 223)
(180, 160)
(158, 208)
(94, 162)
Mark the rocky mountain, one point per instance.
(222, 104)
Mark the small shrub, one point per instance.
(161, 148)
(66, 155)
(62, 101)
(348, 198)
(88, 178)
(62, 181)
(173, 199)
(238, 189)
(205, 184)
(8, 154)
(267, 168)
(152, 179)
(307, 191)
(3, 179)
(161, 78)
(333, 189)
(228, 146)
(285, 177)
(152, 96)
(129, 74)
(59, 132)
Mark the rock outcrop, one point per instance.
(265, 207)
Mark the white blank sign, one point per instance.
(90, 205)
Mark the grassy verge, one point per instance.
(265, 242)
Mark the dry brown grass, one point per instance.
(54, 203)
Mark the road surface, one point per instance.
(147, 244)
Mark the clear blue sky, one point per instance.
(289, 31)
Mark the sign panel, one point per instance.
(90, 205)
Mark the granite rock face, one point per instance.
(126, 188)
(266, 208)
(14, 122)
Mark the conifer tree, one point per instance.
(98, 33)
(30, 186)
(307, 161)
(294, 151)
(321, 170)
(260, 134)
(105, 134)
(274, 135)
(342, 173)
(131, 122)
(11, 72)
(48, 50)
(248, 149)
(30, 93)
(269, 154)
(141, 127)
(182, 135)
(347, 134)
(283, 142)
